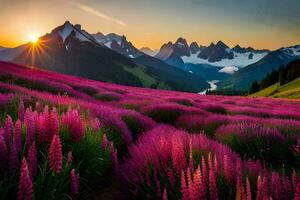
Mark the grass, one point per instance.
(145, 79)
(290, 90)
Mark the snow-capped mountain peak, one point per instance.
(68, 30)
(118, 43)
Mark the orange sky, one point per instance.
(152, 23)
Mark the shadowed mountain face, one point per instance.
(180, 53)
(81, 58)
(70, 50)
(243, 78)
(176, 78)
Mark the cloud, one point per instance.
(229, 70)
(96, 13)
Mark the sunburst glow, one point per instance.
(34, 38)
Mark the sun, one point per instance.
(34, 39)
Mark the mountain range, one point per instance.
(177, 66)
(69, 49)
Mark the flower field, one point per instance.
(65, 137)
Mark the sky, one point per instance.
(258, 23)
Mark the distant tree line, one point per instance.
(283, 75)
(225, 92)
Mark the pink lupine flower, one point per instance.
(75, 124)
(191, 160)
(43, 135)
(18, 136)
(74, 179)
(287, 185)
(54, 124)
(196, 189)
(261, 193)
(104, 142)
(30, 132)
(12, 159)
(248, 190)
(95, 124)
(32, 160)
(8, 130)
(178, 156)
(204, 171)
(69, 158)
(25, 189)
(213, 190)
(165, 195)
(200, 184)
(55, 155)
(276, 186)
(3, 155)
(240, 191)
(184, 188)
(228, 170)
(21, 111)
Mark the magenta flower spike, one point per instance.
(8, 130)
(213, 191)
(25, 189)
(165, 195)
(248, 190)
(32, 160)
(30, 130)
(54, 124)
(55, 155)
(74, 179)
(3, 155)
(184, 187)
(104, 142)
(13, 159)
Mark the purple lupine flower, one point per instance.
(13, 160)
(55, 155)
(3, 156)
(30, 130)
(74, 179)
(8, 130)
(32, 160)
(25, 189)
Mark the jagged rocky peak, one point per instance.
(221, 45)
(194, 47)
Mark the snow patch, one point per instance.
(239, 60)
(229, 70)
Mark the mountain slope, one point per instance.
(176, 78)
(206, 72)
(8, 54)
(242, 79)
(148, 51)
(290, 90)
